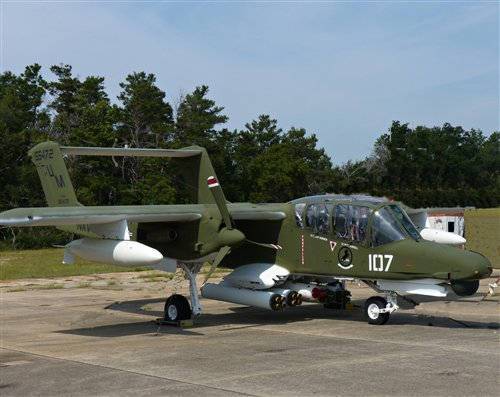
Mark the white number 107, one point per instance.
(379, 262)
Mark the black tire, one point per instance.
(177, 308)
(465, 288)
(371, 315)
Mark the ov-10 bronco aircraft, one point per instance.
(281, 254)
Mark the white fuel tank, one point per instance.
(118, 252)
(243, 296)
(441, 237)
(257, 276)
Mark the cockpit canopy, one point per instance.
(357, 223)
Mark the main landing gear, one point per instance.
(378, 309)
(177, 307)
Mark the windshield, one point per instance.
(403, 218)
(299, 210)
(386, 228)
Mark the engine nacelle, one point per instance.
(117, 252)
(257, 276)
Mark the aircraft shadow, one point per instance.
(241, 317)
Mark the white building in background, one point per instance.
(446, 219)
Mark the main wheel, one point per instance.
(465, 288)
(177, 308)
(372, 310)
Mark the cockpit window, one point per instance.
(351, 222)
(310, 216)
(403, 218)
(321, 225)
(386, 228)
(299, 211)
(317, 218)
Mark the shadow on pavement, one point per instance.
(241, 317)
(127, 329)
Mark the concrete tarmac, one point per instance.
(102, 340)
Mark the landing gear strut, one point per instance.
(377, 309)
(177, 307)
(190, 272)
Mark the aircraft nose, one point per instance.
(475, 266)
(483, 267)
(461, 264)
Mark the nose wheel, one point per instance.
(377, 310)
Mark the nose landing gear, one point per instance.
(374, 307)
(377, 309)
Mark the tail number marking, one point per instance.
(379, 262)
(59, 179)
(44, 154)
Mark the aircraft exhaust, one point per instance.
(268, 299)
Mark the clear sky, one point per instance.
(341, 70)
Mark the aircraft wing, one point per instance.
(64, 216)
(257, 215)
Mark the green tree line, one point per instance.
(422, 166)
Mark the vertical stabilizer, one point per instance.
(196, 171)
(57, 186)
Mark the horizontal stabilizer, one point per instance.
(128, 152)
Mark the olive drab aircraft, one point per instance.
(280, 254)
